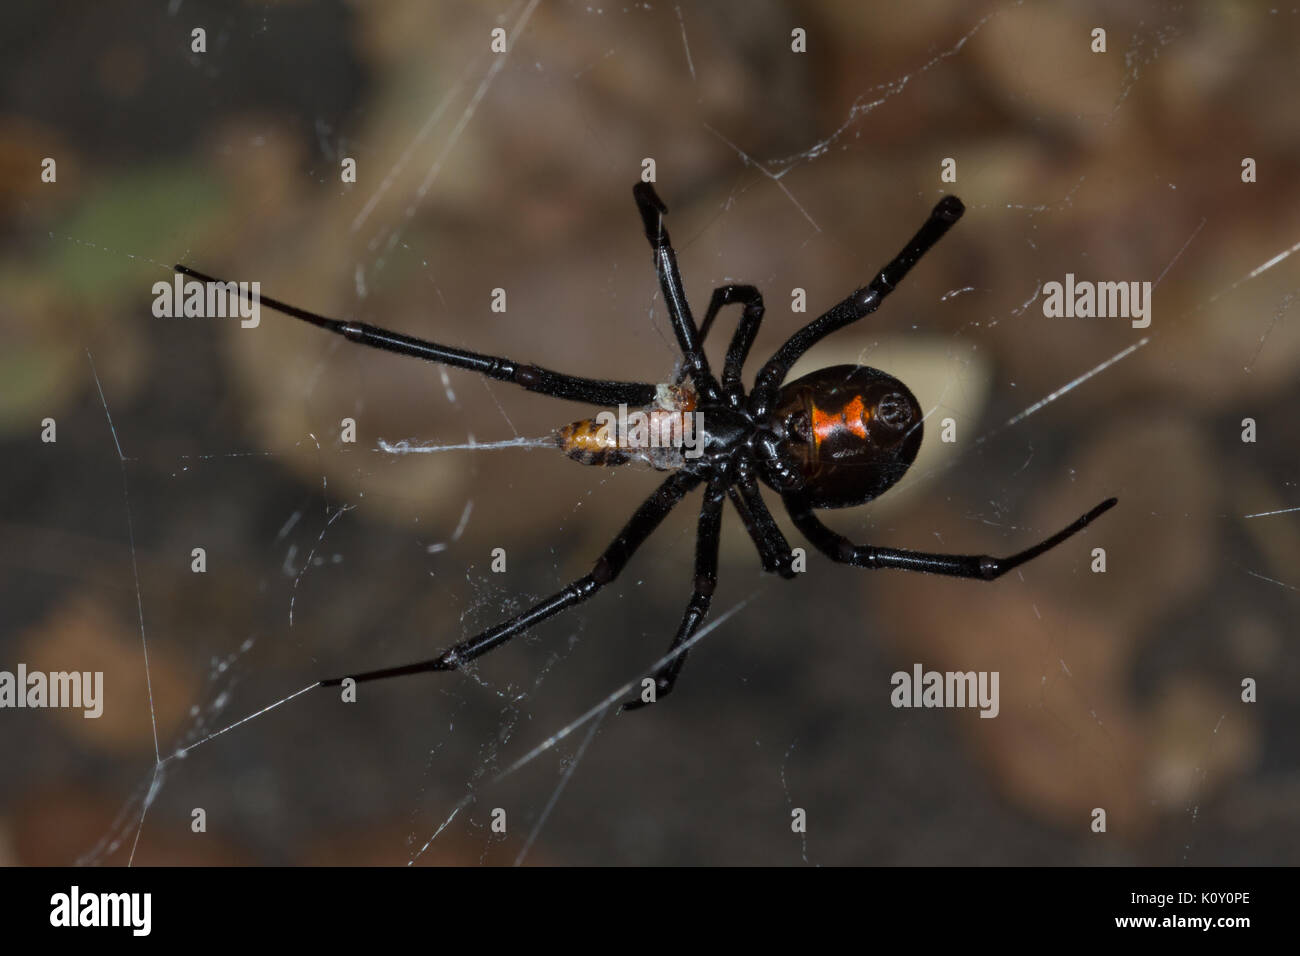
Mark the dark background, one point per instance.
(1119, 691)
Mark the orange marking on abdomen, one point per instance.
(852, 417)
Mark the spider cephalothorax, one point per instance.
(837, 437)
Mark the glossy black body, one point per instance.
(838, 437)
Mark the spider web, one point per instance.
(477, 171)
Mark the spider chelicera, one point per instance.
(837, 437)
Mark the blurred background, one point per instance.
(788, 170)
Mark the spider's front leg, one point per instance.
(979, 566)
(861, 303)
(706, 579)
(652, 210)
(532, 377)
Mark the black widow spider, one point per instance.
(835, 438)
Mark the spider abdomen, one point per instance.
(850, 432)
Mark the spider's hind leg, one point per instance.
(706, 579)
(773, 548)
(634, 534)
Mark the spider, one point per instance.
(838, 437)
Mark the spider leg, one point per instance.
(743, 337)
(531, 377)
(670, 281)
(642, 523)
(979, 566)
(706, 579)
(861, 303)
(772, 545)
